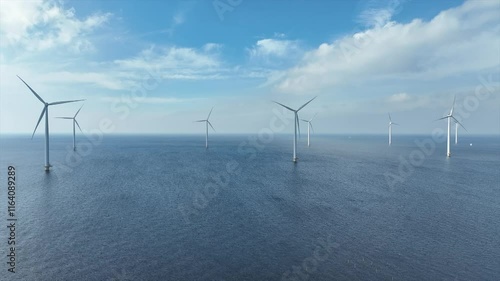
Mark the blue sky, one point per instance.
(362, 59)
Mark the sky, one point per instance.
(156, 66)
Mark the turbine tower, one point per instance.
(45, 112)
(309, 127)
(390, 128)
(297, 126)
(207, 122)
(74, 122)
(449, 117)
(456, 133)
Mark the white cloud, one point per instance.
(401, 97)
(154, 63)
(176, 63)
(178, 19)
(456, 41)
(279, 35)
(273, 47)
(45, 24)
(158, 63)
(171, 58)
(378, 13)
(111, 81)
(377, 17)
(209, 47)
(16, 17)
(153, 100)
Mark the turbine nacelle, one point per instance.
(390, 121)
(296, 112)
(73, 118)
(309, 122)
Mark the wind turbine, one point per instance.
(74, 122)
(207, 122)
(309, 127)
(449, 117)
(45, 112)
(390, 128)
(297, 126)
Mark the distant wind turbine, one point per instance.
(309, 127)
(297, 126)
(45, 112)
(449, 117)
(74, 122)
(207, 122)
(390, 128)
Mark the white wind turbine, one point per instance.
(309, 127)
(74, 122)
(390, 128)
(297, 126)
(207, 122)
(449, 117)
(45, 112)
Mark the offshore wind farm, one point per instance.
(352, 200)
(154, 182)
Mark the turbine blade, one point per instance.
(78, 125)
(211, 125)
(210, 113)
(395, 124)
(453, 105)
(200, 121)
(306, 103)
(459, 123)
(312, 128)
(284, 106)
(313, 117)
(390, 119)
(441, 118)
(78, 111)
(62, 102)
(304, 120)
(33, 91)
(39, 119)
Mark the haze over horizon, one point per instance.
(362, 59)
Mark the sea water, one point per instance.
(165, 208)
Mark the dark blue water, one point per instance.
(164, 208)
